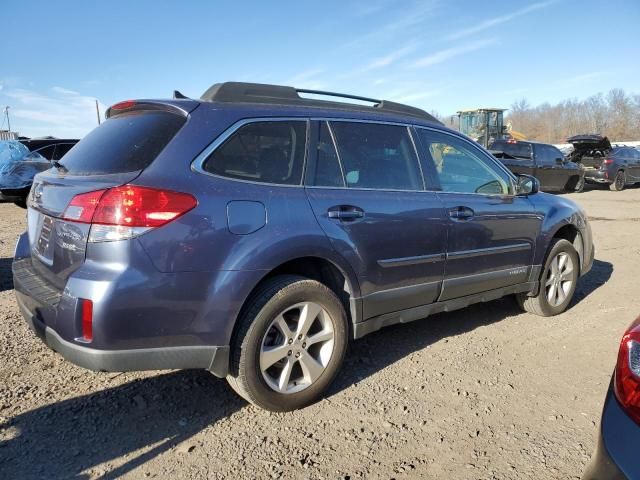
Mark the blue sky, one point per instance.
(436, 54)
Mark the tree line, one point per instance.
(616, 115)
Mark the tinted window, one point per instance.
(515, 149)
(377, 156)
(460, 167)
(547, 155)
(61, 150)
(328, 172)
(124, 143)
(269, 152)
(46, 152)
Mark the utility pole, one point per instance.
(98, 111)
(6, 112)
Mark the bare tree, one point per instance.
(616, 115)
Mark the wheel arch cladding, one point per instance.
(571, 233)
(338, 278)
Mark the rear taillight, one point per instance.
(82, 207)
(607, 161)
(124, 212)
(627, 375)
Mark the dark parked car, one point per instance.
(16, 174)
(616, 456)
(616, 166)
(543, 161)
(253, 231)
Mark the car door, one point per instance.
(366, 189)
(632, 164)
(491, 231)
(548, 170)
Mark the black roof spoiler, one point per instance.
(240, 92)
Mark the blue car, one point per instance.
(616, 456)
(254, 231)
(19, 164)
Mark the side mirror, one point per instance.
(559, 161)
(527, 185)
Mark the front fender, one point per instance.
(557, 213)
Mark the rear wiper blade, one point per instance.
(59, 166)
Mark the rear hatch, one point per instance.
(589, 150)
(113, 154)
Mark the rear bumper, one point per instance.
(616, 456)
(596, 176)
(143, 319)
(212, 358)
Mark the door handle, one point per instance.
(345, 212)
(461, 213)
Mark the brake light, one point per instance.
(607, 161)
(123, 105)
(512, 140)
(127, 211)
(87, 319)
(627, 375)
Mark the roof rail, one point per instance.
(240, 92)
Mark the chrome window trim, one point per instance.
(335, 149)
(197, 165)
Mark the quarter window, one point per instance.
(460, 167)
(377, 156)
(268, 152)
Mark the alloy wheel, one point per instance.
(559, 279)
(297, 347)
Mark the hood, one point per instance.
(589, 142)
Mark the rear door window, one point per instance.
(377, 156)
(127, 142)
(265, 152)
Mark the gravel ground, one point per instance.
(486, 392)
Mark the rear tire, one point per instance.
(619, 182)
(557, 282)
(290, 344)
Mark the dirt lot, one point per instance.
(486, 392)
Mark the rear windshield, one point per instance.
(518, 150)
(125, 143)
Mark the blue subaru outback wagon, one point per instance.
(255, 231)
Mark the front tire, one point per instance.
(290, 344)
(619, 182)
(557, 282)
